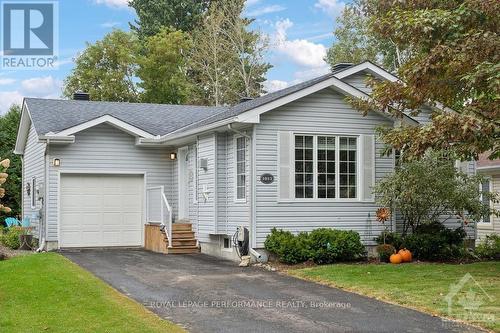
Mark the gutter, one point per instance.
(56, 139)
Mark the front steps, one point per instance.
(183, 239)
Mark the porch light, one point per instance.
(173, 156)
(57, 162)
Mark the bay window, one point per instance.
(326, 167)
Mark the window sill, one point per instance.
(240, 201)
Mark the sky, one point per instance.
(300, 32)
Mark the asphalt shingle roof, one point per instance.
(51, 115)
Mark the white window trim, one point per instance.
(226, 249)
(337, 169)
(481, 222)
(235, 159)
(33, 198)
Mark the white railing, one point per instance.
(158, 210)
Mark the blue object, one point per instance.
(11, 222)
(25, 223)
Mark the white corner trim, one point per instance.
(126, 127)
(367, 66)
(23, 131)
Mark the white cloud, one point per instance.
(300, 51)
(110, 24)
(6, 81)
(7, 98)
(41, 86)
(332, 7)
(274, 85)
(113, 3)
(307, 74)
(266, 10)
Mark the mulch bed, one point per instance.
(6, 253)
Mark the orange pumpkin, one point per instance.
(396, 259)
(406, 255)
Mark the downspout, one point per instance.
(43, 211)
(260, 257)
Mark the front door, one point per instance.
(182, 160)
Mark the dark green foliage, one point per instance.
(331, 245)
(489, 248)
(8, 134)
(391, 238)
(321, 245)
(385, 251)
(435, 242)
(10, 237)
(156, 14)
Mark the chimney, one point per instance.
(245, 99)
(81, 96)
(341, 66)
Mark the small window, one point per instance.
(227, 243)
(486, 188)
(33, 192)
(241, 152)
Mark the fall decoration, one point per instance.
(383, 214)
(406, 255)
(396, 259)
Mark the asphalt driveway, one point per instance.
(204, 294)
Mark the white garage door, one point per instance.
(101, 210)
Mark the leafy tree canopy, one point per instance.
(454, 63)
(106, 69)
(13, 186)
(153, 15)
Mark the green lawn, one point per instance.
(418, 285)
(48, 293)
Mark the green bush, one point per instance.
(489, 248)
(10, 237)
(385, 251)
(321, 245)
(433, 241)
(391, 238)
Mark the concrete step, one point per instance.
(183, 250)
(181, 227)
(184, 242)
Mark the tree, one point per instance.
(424, 190)
(153, 15)
(11, 192)
(227, 57)
(455, 63)
(355, 43)
(4, 165)
(106, 69)
(163, 68)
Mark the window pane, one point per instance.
(321, 167)
(330, 180)
(348, 167)
(326, 171)
(343, 192)
(299, 166)
(321, 155)
(331, 192)
(299, 179)
(308, 142)
(308, 154)
(299, 154)
(343, 179)
(299, 141)
(309, 179)
(299, 192)
(303, 165)
(309, 167)
(322, 179)
(308, 192)
(352, 192)
(321, 192)
(486, 189)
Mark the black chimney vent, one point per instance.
(341, 65)
(81, 96)
(245, 99)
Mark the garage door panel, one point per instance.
(101, 210)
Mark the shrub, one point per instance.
(391, 238)
(288, 248)
(321, 245)
(384, 251)
(489, 248)
(331, 245)
(433, 241)
(10, 237)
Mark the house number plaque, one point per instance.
(267, 178)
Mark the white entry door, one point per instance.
(101, 210)
(183, 163)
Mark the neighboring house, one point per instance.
(95, 173)
(491, 170)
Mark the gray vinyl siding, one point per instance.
(206, 180)
(323, 112)
(358, 81)
(105, 148)
(193, 183)
(33, 166)
(223, 196)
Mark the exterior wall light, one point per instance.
(57, 162)
(173, 156)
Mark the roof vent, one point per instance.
(245, 99)
(341, 66)
(81, 96)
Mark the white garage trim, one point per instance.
(100, 172)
